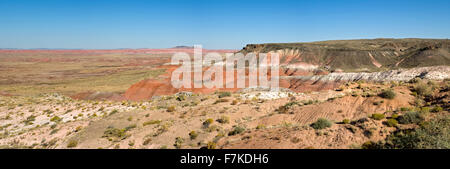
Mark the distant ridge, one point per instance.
(183, 47)
(362, 54)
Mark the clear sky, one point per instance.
(215, 24)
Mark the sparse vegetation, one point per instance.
(387, 94)
(211, 145)
(321, 123)
(377, 116)
(285, 108)
(171, 109)
(391, 122)
(72, 143)
(236, 130)
(193, 135)
(224, 120)
(207, 123)
(114, 134)
(423, 89)
(346, 121)
(178, 142)
(151, 122)
(224, 94)
(410, 118)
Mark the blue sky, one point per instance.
(215, 24)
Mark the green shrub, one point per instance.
(151, 122)
(423, 89)
(260, 126)
(193, 135)
(394, 116)
(388, 94)
(29, 120)
(285, 108)
(171, 109)
(55, 119)
(437, 109)
(72, 143)
(114, 134)
(432, 135)
(224, 94)
(221, 100)
(321, 123)
(410, 118)
(207, 123)
(211, 145)
(405, 109)
(346, 121)
(181, 98)
(391, 122)
(377, 116)
(178, 142)
(425, 110)
(224, 120)
(236, 130)
(113, 112)
(147, 141)
(130, 127)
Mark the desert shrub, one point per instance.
(224, 94)
(377, 116)
(151, 122)
(72, 143)
(178, 142)
(423, 89)
(221, 100)
(78, 129)
(391, 122)
(29, 120)
(171, 109)
(211, 145)
(181, 98)
(147, 141)
(387, 94)
(234, 102)
(410, 118)
(370, 145)
(207, 123)
(114, 112)
(260, 126)
(394, 116)
(415, 80)
(55, 119)
(223, 119)
(405, 109)
(285, 108)
(346, 121)
(424, 110)
(437, 109)
(236, 130)
(193, 135)
(130, 127)
(114, 134)
(321, 124)
(432, 135)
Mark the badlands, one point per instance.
(347, 94)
